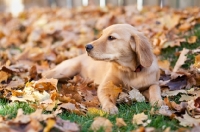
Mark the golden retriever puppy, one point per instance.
(121, 55)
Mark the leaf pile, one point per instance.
(40, 38)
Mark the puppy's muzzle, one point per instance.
(88, 47)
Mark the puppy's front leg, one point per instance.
(66, 69)
(107, 96)
(155, 95)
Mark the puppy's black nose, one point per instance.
(88, 47)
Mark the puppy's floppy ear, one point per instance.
(143, 49)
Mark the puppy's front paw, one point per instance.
(110, 108)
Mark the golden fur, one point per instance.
(115, 60)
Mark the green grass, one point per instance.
(126, 112)
(10, 109)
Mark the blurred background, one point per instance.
(16, 6)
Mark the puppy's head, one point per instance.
(123, 44)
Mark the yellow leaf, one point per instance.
(50, 124)
(95, 111)
(120, 122)
(192, 39)
(197, 61)
(164, 64)
(140, 119)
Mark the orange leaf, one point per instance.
(185, 27)
(192, 39)
(197, 61)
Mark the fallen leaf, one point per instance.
(197, 102)
(140, 119)
(164, 110)
(164, 64)
(197, 61)
(195, 129)
(186, 98)
(3, 76)
(188, 120)
(21, 118)
(101, 122)
(181, 60)
(135, 95)
(71, 108)
(120, 122)
(177, 83)
(95, 111)
(49, 125)
(68, 106)
(38, 115)
(173, 93)
(66, 125)
(185, 27)
(34, 126)
(46, 84)
(192, 39)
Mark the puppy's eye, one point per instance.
(111, 38)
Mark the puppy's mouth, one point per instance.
(99, 57)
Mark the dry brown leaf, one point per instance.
(68, 106)
(21, 118)
(33, 54)
(186, 98)
(173, 93)
(188, 120)
(3, 76)
(49, 105)
(164, 110)
(66, 126)
(185, 27)
(197, 102)
(193, 108)
(38, 115)
(120, 122)
(140, 119)
(101, 122)
(34, 126)
(71, 107)
(46, 84)
(16, 83)
(4, 127)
